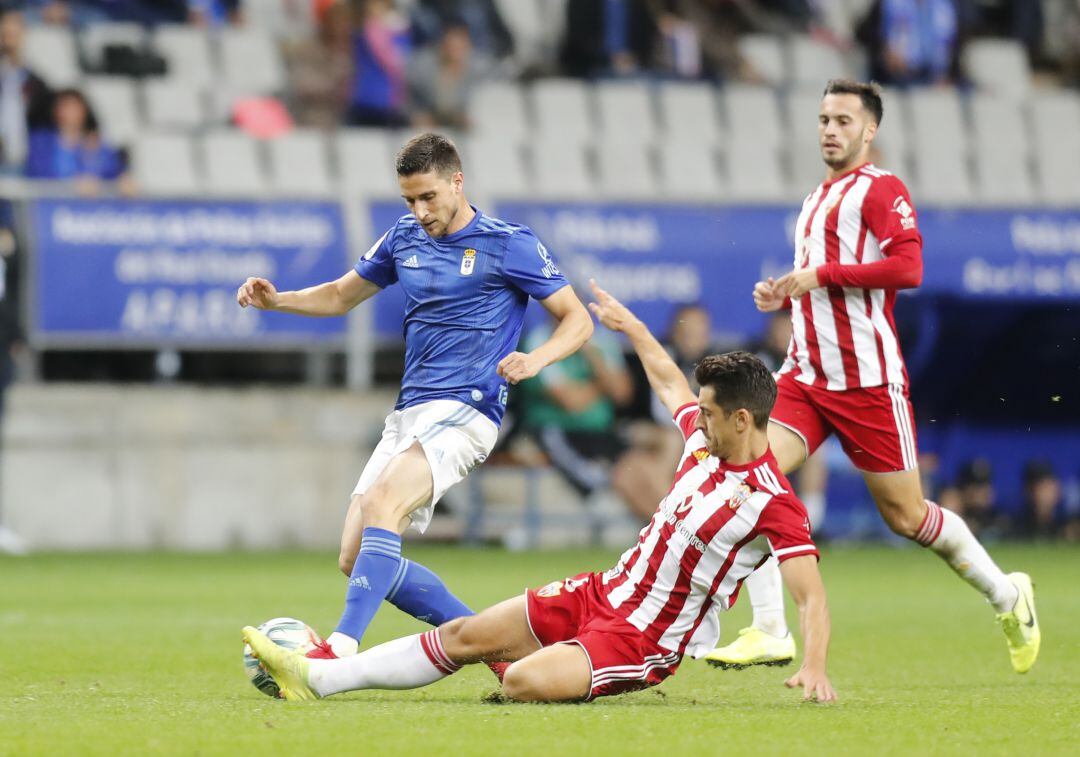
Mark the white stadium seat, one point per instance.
(1001, 151)
(365, 161)
(561, 169)
(499, 108)
(50, 52)
(688, 172)
(561, 109)
(173, 103)
(187, 52)
(765, 54)
(753, 112)
(163, 164)
(1055, 126)
(626, 114)
(625, 171)
(95, 37)
(116, 105)
(232, 164)
(496, 167)
(299, 164)
(251, 61)
(812, 63)
(754, 173)
(998, 66)
(689, 111)
(893, 137)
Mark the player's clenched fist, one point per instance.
(767, 297)
(609, 311)
(518, 366)
(259, 293)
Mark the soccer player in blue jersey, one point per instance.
(467, 278)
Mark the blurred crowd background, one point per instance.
(670, 101)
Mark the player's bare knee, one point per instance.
(461, 639)
(903, 521)
(521, 685)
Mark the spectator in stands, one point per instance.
(570, 407)
(441, 79)
(1043, 514)
(488, 32)
(381, 46)
(321, 68)
(73, 148)
(912, 42)
(82, 12)
(1021, 20)
(976, 500)
(24, 97)
(609, 37)
(12, 339)
(214, 12)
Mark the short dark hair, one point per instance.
(739, 380)
(428, 152)
(868, 92)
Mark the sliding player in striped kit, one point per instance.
(856, 243)
(599, 634)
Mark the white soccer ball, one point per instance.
(289, 633)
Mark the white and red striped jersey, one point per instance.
(715, 526)
(844, 337)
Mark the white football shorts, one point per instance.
(455, 439)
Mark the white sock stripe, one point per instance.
(930, 524)
(399, 576)
(381, 552)
(433, 648)
(438, 647)
(383, 540)
(920, 535)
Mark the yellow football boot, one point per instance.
(1021, 626)
(289, 669)
(753, 647)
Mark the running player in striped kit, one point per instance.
(599, 634)
(857, 243)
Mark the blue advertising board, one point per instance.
(123, 272)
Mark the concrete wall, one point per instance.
(89, 467)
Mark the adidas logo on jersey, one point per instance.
(411, 263)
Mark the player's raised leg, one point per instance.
(767, 640)
(498, 633)
(900, 500)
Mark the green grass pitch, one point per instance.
(140, 654)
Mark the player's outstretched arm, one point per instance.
(574, 329)
(664, 376)
(332, 298)
(803, 580)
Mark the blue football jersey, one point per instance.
(465, 298)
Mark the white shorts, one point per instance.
(455, 439)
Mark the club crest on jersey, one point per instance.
(468, 262)
(701, 454)
(551, 590)
(901, 207)
(742, 493)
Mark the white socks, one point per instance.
(766, 589)
(407, 663)
(946, 533)
(343, 646)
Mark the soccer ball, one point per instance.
(289, 633)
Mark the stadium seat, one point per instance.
(561, 107)
(50, 52)
(753, 112)
(689, 111)
(939, 146)
(114, 101)
(163, 164)
(495, 167)
(765, 54)
(688, 172)
(299, 164)
(526, 23)
(251, 61)
(95, 37)
(625, 112)
(365, 161)
(174, 103)
(812, 63)
(998, 66)
(232, 164)
(280, 18)
(561, 170)
(625, 171)
(187, 51)
(1055, 126)
(754, 173)
(892, 139)
(806, 168)
(803, 106)
(498, 108)
(1001, 151)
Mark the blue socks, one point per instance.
(372, 575)
(381, 573)
(422, 594)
